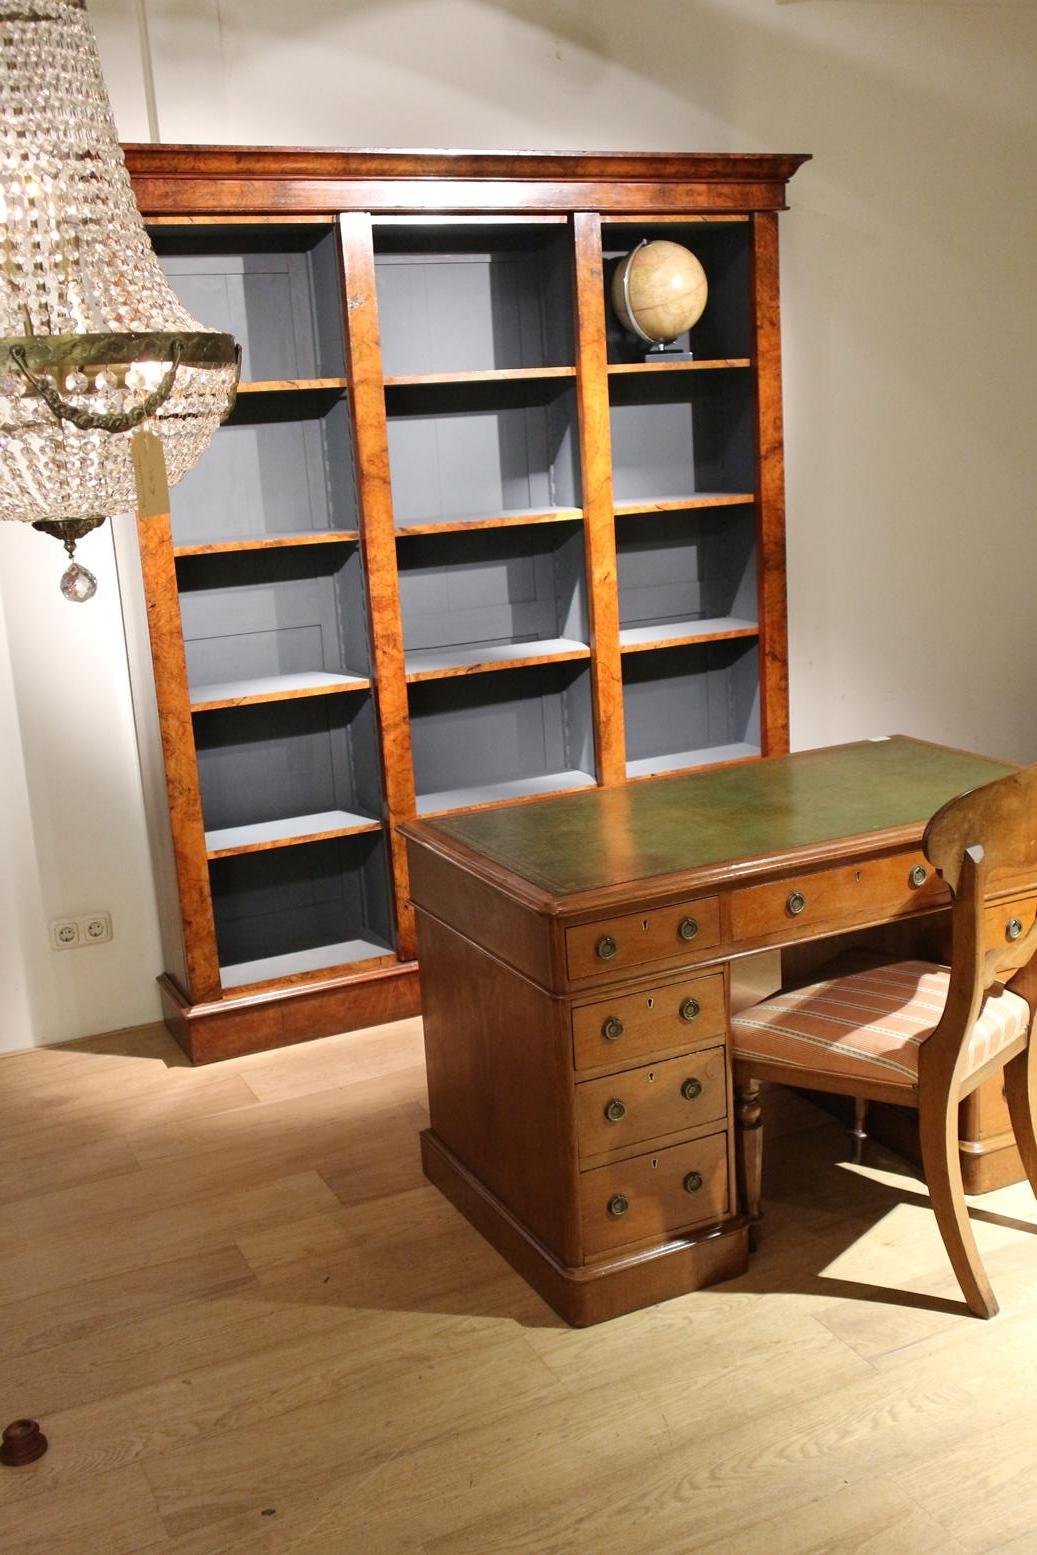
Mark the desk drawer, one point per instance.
(658, 1099)
(664, 933)
(624, 1026)
(650, 1195)
(852, 893)
(1009, 921)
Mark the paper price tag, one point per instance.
(149, 471)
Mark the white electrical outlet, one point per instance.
(87, 928)
(64, 933)
(95, 928)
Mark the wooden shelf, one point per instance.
(489, 375)
(672, 634)
(295, 386)
(442, 663)
(663, 366)
(696, 499)
(495, 793)
(680, 761)
(360, 954)
(510, 517)
(270, 542)
(273, 688)
(287, 833)
(683, 219)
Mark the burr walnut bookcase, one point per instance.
(459, 543)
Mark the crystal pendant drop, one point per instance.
(78, 584)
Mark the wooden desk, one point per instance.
(576, 958)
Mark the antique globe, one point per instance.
(95, 343)
(658, 291)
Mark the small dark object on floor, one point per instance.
(23, 1442)
(269, 1511)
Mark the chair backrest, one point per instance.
(987, 832)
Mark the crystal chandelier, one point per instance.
(97, 355)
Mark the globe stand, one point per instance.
(669, 352)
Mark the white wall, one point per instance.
(910, 329)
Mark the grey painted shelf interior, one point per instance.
(279, 772)
(492, 595)
(282, 464)
(485, 473)
(473, 450)
(259, 616)
(723, 249)
(689, 706)
(276, 288)
(686, 573)
(676, 435)
(473, 297)
(271, 778)
(501, 735)
(290, 910)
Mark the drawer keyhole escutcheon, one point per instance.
(618, 1205)
(689, 1009)
(1014, 928)
(688, 928)
(693, 1182)
(919, 875)
(615, 1111)
(606, 948)
(612, 1029)
(691, 1089)
(650, 1003)
(796, 903)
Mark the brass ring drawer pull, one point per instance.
(618, 1205)
(691, 1089)
(1014, 928)
(606, 948)
(615, 1111)
(796, 903)
(919, 875)
(688, 928)
(689, 1009)
(693, 1182)
(612, 1029)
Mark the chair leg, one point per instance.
(1021, 1093)
(938, 1128)
(859, 1132)
(749, 1137)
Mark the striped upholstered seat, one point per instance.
(870, 1024)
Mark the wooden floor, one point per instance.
(246, 1324)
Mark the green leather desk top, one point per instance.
(605, 837)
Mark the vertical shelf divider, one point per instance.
(770, 487)
(176, 728)
(378, 546)
(592, 394)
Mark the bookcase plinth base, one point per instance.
(254, 1022)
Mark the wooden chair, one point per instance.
(878, 1033)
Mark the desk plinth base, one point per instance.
(599, 1291)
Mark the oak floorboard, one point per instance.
(377, 1053)
(111, 1516)
(37, 1258)
(249, 1326)
(845, 1523)
(51, 1319)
